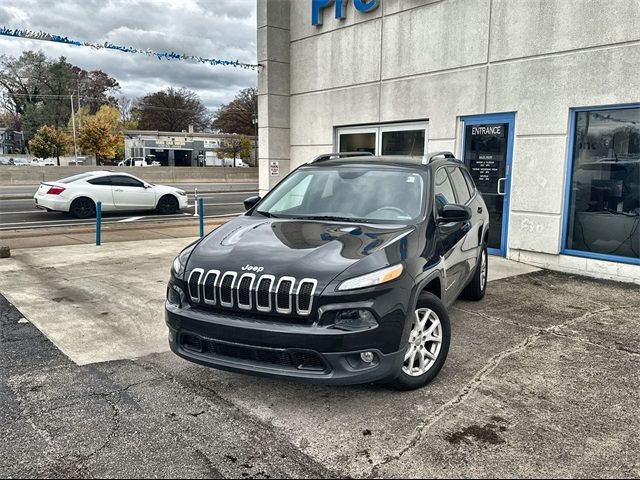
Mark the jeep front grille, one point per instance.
(265, 294)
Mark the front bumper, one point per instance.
(183, 202)
(264, 348)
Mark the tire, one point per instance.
(478, 285)
(168, 205)
(425, 368)
(83, 207)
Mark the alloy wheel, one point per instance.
(425, 343)
(483, 270)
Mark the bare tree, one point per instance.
(238, 115)
(172, 110)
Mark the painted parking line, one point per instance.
(130, 219)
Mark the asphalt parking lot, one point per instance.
(542, 380)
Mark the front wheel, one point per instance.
(428, 344)
(168, 205)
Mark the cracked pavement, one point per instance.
(542, 380)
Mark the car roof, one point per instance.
(422, 162)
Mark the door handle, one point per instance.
(505, 182)
(118, 190)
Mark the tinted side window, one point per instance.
(101, 181)
(443, 190)
(470, 184)
(460, 184)
(124, 181)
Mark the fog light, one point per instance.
(352, 320)
(367, 357)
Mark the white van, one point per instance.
(139, 162)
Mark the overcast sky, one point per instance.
(224, 29)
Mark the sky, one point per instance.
(224, 29)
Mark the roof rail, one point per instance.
(432, 156)
(329, 156)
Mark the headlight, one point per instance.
(181, 193)
(370, 279)
(178, 266)
(180, 262)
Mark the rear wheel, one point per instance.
(168, 205)
(428, 344)
(478, 285)
(83, 207)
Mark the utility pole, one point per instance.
(79, 108)
(73, 122)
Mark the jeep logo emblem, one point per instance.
(250, 268)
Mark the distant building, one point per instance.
(180, 149)
(11, 141)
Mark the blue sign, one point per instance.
(317, 7)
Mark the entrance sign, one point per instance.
(317, 7)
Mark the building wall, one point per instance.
(443, 59)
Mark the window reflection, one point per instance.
(604, 215)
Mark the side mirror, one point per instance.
(455, 213)
(251, 202)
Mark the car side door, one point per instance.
(100, 191)
(451, 236)
(470, 247)
(129, 193)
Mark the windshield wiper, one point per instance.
(267, 214)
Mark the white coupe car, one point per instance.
(79, 194)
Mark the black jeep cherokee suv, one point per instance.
(341, 274)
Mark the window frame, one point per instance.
(379, 129)
(573, 116)
(436, 213)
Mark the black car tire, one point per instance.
(406, 382)
(83, 207)
(477, 287)
(168, 205)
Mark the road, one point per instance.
(20, 213)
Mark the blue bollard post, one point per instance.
(201, 215)
(98, 224)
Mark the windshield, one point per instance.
(348, 194)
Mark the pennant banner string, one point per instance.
(48, 37)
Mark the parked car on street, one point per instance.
(139, 162)
(6, 161)
(341, 274)
(20, 162)
(79, 194)
(43, 162)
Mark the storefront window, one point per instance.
(604, 203)
(387, 139)
(403, 142)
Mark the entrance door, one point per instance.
(487, 150)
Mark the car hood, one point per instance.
(302, 249)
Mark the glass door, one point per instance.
(487, 152)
